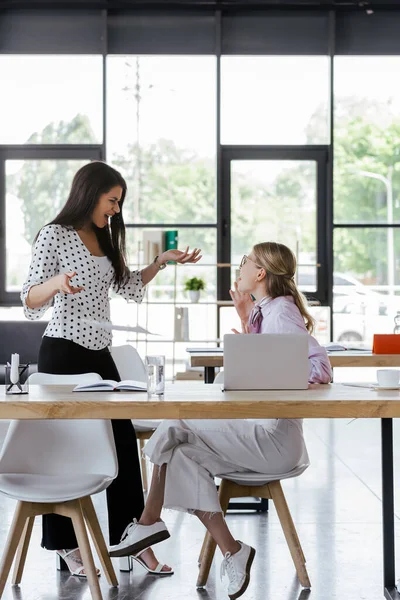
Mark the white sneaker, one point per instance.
(137, 537)
(237, 566)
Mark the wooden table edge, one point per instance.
(257, 409)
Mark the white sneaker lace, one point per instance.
(227, 566)
(128, 528)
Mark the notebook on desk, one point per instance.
(266, 362)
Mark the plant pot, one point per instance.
(194, 295)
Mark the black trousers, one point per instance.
(125, 494)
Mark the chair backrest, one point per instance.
(65, 446)
(128, 362)
(51, 379)
(219, 378)
(23, 337)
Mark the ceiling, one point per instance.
(223, 4)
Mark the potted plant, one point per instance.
(194, 286)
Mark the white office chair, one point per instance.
(129, 363)
(219, 378)
(236, 485)
(50, 379)
(131, 366)
(55, 466)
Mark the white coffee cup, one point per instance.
(388, 377)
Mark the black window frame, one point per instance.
(317, 153)
(32, 152)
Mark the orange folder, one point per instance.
(386, 343)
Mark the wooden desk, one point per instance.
(211, 361)
(191, 401)
(197, 401)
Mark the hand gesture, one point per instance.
(246, 329)
(242, 302)
(181, 257)
(63, 283)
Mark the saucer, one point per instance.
(386, 387)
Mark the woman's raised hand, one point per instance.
(242, 302)
(181, 257)
(246, 329)
(63, 283)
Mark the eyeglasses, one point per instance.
(245, 259)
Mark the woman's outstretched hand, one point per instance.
(181, 257)
(64, 285)
(242, 302)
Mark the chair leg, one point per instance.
(143, 464)
(17, 527)
(203, 549)
(74, 509)
(98, 539)
(289, 530)
(22, 551)
(297, 541)
(209, 545)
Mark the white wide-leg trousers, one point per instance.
(197, 450)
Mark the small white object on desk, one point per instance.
(388, 378)
(14, 370)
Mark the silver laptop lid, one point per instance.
(266, 361)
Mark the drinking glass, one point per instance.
(155, 368)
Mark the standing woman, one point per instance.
(76, 259)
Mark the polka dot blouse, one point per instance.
(84, 317)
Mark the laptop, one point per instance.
(266, 361)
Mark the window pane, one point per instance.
(367, 133)
(275, 100)
(35, 192)
(366, 283)
(161, 134)
(51, 99)
(275, 200)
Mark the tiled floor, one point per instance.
(337, 510)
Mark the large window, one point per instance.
(367, 196)
(275, 100)
(51, 99)
(161, 133)
(276, 200)
(170, 107)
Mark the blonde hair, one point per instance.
(279, 263)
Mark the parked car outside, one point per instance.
(358, 311)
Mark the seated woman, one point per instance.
(188, 454)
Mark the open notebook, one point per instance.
(109, 385)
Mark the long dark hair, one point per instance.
(89, 183)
